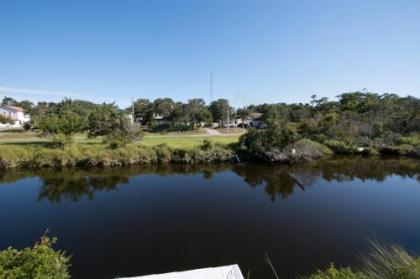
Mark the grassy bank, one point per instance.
(98, 155)
(27, 150)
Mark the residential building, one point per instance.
(16, 114)
(255, 119)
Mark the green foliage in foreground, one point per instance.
(381, 262)
(38, 262)
(336, 273)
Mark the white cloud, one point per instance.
(45, 95)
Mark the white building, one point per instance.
(255, 119)
(222, 272)
(16, 114)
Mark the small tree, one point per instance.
(179, 114)
(163, 107)
(243, 113)
(197, 112)
(65, 119)
(38, 262)
(111, 123)
(220, 110)
(275, 137)
(143, 110)
(5, 120)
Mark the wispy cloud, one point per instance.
(47, 94)
(14, 90)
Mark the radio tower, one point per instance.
(211, 87)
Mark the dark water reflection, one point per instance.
(126, 222)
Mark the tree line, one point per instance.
(357, 122)
(352, 120)
(190, 114)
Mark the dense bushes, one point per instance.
(267, 143)
(340, 147)
(276, 147)
(38, 262)
(306, 149)
(357, 123)
(12, 156)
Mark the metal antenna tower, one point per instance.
(211, 87)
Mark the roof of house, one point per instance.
(223, 272)
(14, 108)
(255, 115)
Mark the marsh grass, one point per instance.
(97, 155)
(390, 262)
(381, 262)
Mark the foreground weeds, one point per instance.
(382, 262)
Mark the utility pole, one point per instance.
(132, 110)
(228, 119)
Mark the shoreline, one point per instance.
(97, 156)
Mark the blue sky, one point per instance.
(258, 51)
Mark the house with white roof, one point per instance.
(16, 114)
(222, 272)
(255, 120)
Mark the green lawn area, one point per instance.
(173, 140)
(185, 141)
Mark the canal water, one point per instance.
(145, 220)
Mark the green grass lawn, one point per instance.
(173, 140)
(183, 141)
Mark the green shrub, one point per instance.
(163, 153)
(382, 262)
(38, 262)
(260, 142)
(405, 149)
(207, 145)
(306, 149)
(213, 155)
(60, 140)
(340, 147)
(123, 136)
(412, 140)
(181, 156)
(336, 273)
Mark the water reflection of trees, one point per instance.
(282, 180)
(277, 180)
(73, 186)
